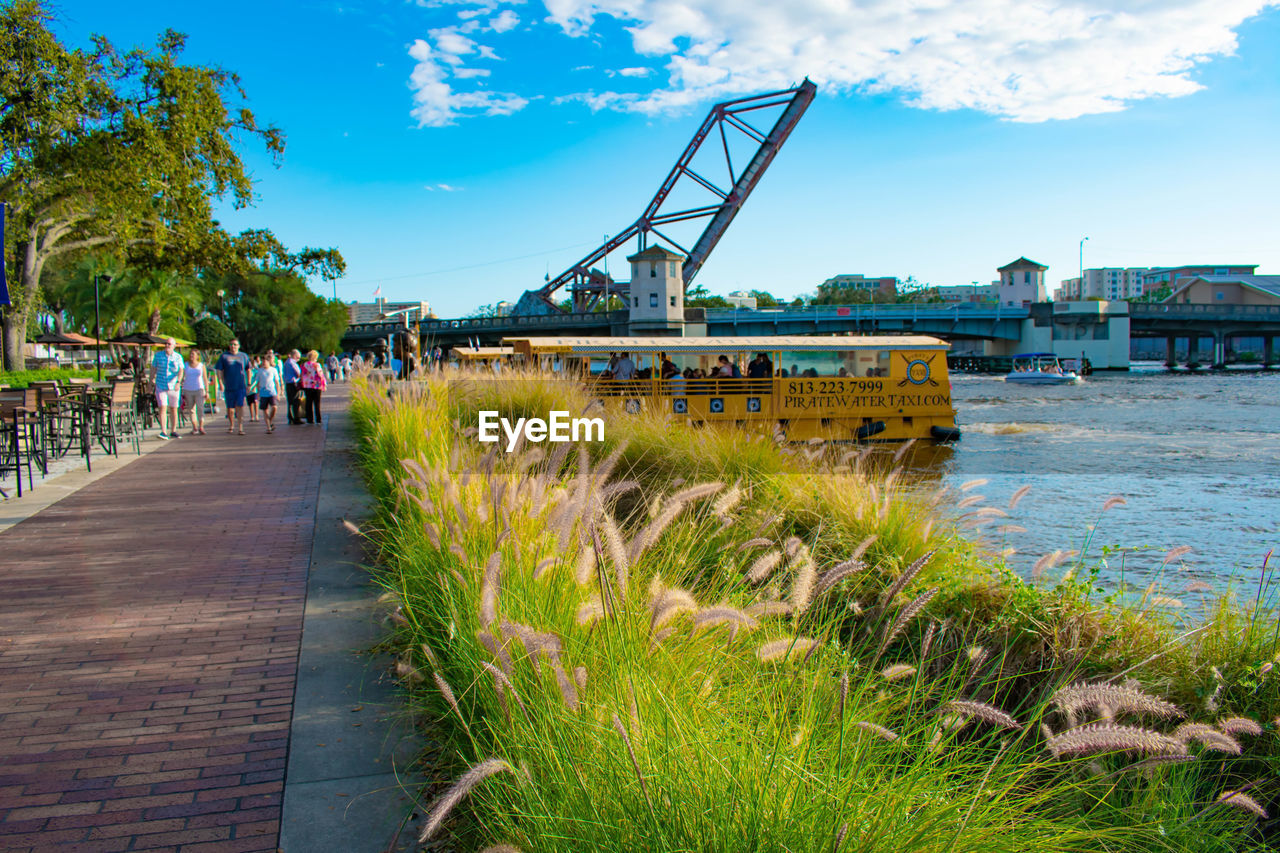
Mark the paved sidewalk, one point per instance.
(149, 639)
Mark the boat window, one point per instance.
(845, 363)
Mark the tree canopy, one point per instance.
(126, 151)
(276, 310)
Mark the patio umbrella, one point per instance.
(57, 339)
(146, 339)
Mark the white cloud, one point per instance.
(1018, 59)
(504, 21)
(452, 43)
(470, 73)
(436, 104)
(442, 187)
(634, 72)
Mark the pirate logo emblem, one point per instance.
(753, 404)
(680, 407)
(918, 371)
(717, 405)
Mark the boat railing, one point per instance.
(713, 386)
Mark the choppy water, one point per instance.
(1196, 457)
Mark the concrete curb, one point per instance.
(349, 747)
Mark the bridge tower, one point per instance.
(657, 292)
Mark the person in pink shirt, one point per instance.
(313, 384)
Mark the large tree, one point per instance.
(275, 309)
(121, 150)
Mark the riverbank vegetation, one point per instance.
(683, 639)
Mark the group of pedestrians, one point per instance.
(256, 383)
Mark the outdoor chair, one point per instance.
(19, 442)
(116, 418)
(66, 422)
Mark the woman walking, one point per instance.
(312, 382)
(194, 390)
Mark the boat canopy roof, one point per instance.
(483, 352)
(1036, 355)
(761, 343)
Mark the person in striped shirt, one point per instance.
(166, 376)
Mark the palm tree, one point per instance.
(155, 293)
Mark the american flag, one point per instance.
(377, 291)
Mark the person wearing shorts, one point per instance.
(194, 390)
(233, 369)
(166, 376)
(268, 392)
(251, 397)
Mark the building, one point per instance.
(372, 312)
(1158, 277)
(656, 292)
(1112, 283)
(1022, 283)
(1094, 329)
(883, 286)
(1227, 290)
(961, 293)
(741, 299)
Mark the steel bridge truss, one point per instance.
(591, 288)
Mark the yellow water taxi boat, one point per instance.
(890, 388)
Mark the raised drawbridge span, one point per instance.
(590, 288)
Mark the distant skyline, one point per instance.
(459, 150)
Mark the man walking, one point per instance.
(166, 376)
(291, 374)
(233, 370)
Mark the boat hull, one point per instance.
(1043, 379)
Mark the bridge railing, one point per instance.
(961, 311)
(557, 321)
(1202, 309)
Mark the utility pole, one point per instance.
(1082, 291)
(97, 322)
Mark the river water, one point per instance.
(1196, 458)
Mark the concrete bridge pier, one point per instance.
(1268, 350)
(1171, 351)
(1219, 350)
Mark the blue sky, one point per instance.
(458, 150)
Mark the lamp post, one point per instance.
(222, 311)
(1082, 293)
(97, 321)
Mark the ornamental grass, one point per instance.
(698, 639)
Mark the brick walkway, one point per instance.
(149, 634)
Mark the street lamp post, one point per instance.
(1082, 293)
(97, 321)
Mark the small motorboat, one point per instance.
(1040, 368)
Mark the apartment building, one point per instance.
(1109, 283)
(1158, 277)
(882, 285)
(372, 312)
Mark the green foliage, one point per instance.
(276, 310)
(765, 299)
(212, 334)
(571, 617)
(23, 378)
(699, 297)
